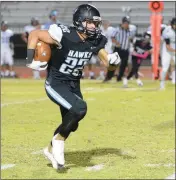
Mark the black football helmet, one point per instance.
(147, 35)
(126, 19)
(87, 12)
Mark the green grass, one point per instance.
(124, 130)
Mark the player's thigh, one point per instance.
(166, 58)
(2, 58)
(8, 58)
(60, 94)
(78, 94)
(130, 59)
(77, 91)
(173, 60)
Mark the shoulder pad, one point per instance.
(64, 28)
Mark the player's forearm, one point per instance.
(169, 48)
(143, 56)
(33, 39)
(32, 43)
(39, 35)
(103, 56)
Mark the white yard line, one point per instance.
(171, 176)
(160, 165)
(23, 102)
(7, 166)
(37, 152)
(86, 90)
(96, 90)
(168, 150)
(19, 92)
(97, 167)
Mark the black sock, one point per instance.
(109, 75)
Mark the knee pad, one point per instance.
(73, 116)
(79, 109)
(74, 127)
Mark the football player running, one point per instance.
(75, 45)
(168, 52)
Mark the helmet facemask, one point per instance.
(92, 32)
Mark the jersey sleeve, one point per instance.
(166, 36)
(56, 32)
(165, 33)
(101, 44)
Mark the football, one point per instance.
(42, 52)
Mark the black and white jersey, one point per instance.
(67, 62)
(140, 47)
(123, 37)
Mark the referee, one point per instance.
(121, 40)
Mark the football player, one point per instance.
(6, 51)
(75, 46)
(142, 48)
(168, 52)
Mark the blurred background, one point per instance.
(19, 15)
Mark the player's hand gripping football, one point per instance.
(38, 65)
(41, 57)
(114, 59)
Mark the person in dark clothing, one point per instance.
(76, 45)
(142, 49)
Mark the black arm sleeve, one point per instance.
(167, 41)
(101, 44)
(30, 54)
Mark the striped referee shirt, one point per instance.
(123, 37)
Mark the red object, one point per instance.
(156, 6)
(155, 20)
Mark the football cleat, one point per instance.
(139, 82)
(162, 85)
(50, 157)
(58, 151)
(125, 82)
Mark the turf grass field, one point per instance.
(127, 132)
